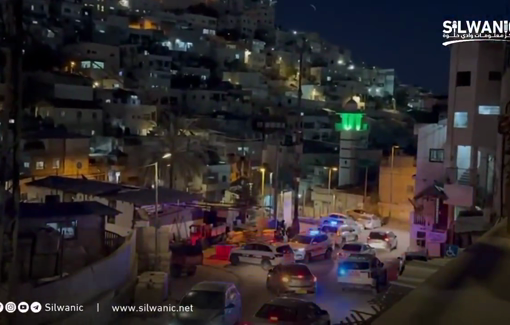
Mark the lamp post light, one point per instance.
(263, 171)
(330, 173)
(156, 210)
(393, 148)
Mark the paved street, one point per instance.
(251, 281)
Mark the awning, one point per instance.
(433, 191)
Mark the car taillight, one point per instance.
(300, 276)
(273, 319)
(386, 239)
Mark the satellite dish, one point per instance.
(79, 165)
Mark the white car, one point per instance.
(214, 303)
(367, 220)
(382, 240)
(341, 234)
(350, 232)
(362, 271)
(266, 255)
(336, 219)
(309, 245)
(355, 249)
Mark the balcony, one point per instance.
(458, 186)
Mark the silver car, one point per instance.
(293, 278)
(291, 311)
(382, 240)
(355, 249)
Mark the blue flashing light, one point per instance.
(342, 272)
(334, 223)
(314, 232)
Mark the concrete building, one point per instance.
(396, 187)
(468, 181)
(56, 152)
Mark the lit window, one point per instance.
(237, 56)
(39, 165)
(436, 155)
(56, 163)
(26, 164)
(328, 78)
(68, 229)
(488, 110)
(460, 120)
(85, 64)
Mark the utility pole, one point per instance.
(299, 132)
(11, 117)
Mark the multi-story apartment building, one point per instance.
(457, 160)
(56, 152)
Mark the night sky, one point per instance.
(399, 34)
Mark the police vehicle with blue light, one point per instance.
(311, 244)
(362, 271)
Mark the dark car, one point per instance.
(291, 311)
(291, 278)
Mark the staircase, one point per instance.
(464, 178)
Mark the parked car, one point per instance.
(213, 303)
(335, 219)
(365, 219)
(291, 311)
(382, 240)
(266, 255)
(361, 270)
(292, 278)
(356, 249)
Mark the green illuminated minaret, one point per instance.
(352, 130)
(351, 122)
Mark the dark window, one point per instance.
(463, 79)
(494, 76)
(262, 248)
(277, 313)
(297, 269)
(204, 300)
(436, 155)
(286, 249)
(378, 235)
(355, 265)
(329, 229)
(351, 248)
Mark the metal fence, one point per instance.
(379, 305)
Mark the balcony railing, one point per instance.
(462, 176)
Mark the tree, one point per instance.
(289, 70)
(187, 160)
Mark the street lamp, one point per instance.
(331, 170)
(263, 171)
(156, 210)
(393, 148)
